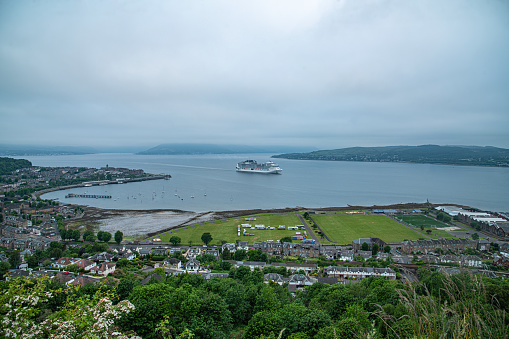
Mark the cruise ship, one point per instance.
(252, 166)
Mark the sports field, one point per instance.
(419, 220)
(227, 229)
(346, 228)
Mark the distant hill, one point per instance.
(176, 149)
(426, 154)
(7, 165)
(21, 150)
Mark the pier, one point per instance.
(95, 196)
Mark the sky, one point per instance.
(327, 74)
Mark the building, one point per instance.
(192, 265)
(358, 273)
(425, 246)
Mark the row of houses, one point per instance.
(24, 244)
(358, 273)
(45, 230)
(425, 246)
(464, 260)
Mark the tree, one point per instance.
(240, 255)
(103, 236)
(375, 249)
(387, 249)
(365, 246)
(89, 236)
(14, 259)
(475, 236)
(286, 239)
(4, 267)
(118, 237)
(175, 240)
(206, 238)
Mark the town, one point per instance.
(293, 250)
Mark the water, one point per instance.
(216, 186)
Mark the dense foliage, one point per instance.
(243, 306)
(430, 154)
(7, 165)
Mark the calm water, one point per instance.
(216, 186)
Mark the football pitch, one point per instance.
(344, 228)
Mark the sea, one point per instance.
(201, 183)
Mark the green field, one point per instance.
(419, 220)
(346, 228)
(227, 229)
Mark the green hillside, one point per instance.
(7, 165)
(429, 154)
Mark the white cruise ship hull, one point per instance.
(264, 171)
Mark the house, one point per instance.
(83, 280)
(301, 280)
(426, 246)
(172, 263)
(230, 247)
(103, 256)
(277, 278)
(501, 260)
(294, 267)
(193, 252)
(383, 256)
(85, 264)
(357, 243)
(504, 249)
(483, 245)
(192, 265)
(471, 261)
(450, 259)
(330, 252)
(251, 264)
(64, 278)
(430, 258)
(64, 261)
(365, 254)
(358, 273)
(159, 251)
(104, 268)
(243, 245)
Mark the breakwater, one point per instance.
(94, 196)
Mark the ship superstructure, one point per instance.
(252, 166)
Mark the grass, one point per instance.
(421, 220)
(227, 229)
(346, 228)
(441, 233)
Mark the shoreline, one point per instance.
(149, 223)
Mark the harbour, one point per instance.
(217, 186)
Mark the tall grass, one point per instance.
(461, 309)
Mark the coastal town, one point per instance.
(30, 225)
(52, 241)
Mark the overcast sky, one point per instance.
(329, 74)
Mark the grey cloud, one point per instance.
(324, 73)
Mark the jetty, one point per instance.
(95, 196)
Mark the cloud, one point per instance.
(322, 73)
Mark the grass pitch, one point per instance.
(344, 228)
(419, 220)
(227, 229)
